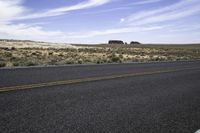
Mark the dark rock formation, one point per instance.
(115, 42)
(135, 43)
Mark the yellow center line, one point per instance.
(66, 82)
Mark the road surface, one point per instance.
(132, 98)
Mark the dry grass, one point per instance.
(27, 53)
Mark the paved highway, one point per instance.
(133, 98)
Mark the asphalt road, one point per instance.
(163, 98)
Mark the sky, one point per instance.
(97, 21)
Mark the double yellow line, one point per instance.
(66, 82)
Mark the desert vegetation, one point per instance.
(13, 54)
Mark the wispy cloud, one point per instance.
(107, 10)
(142, 2)
(113, 31)
(145, 21)
(27, 31)
(182, 9)
(17, 12)
(66, 9)
(10, 9)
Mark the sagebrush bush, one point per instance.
(30, 63)
(96, 54)
(16, 64)
(2, 64)
(114, 58)
(8, 54)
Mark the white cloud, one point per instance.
(145, 2)
(65, 9)
(137, 23)
(17, 11)
(23, 31)
(26, 30)
(30, 31)
(10, 9)
(113, 31)
(106, 10)
(141, 22)
(176, 11)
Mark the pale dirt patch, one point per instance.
(34, 45)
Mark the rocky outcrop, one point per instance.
(115, 42)
(134, 43)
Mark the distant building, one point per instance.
(115, 42)
(135, 43)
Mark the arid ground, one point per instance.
(15, 53)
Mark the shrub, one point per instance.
(7, 49)
(53, 62)
(60, 54)
(2, 64)
(50, 53)
(114, 58)
(80, 61)
(8, 54)
(98, 62)
(34, 53)
(13, 48)
(16, 64)
(31, 63)
(121, 56)
(69, 61)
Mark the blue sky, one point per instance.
(97, 21)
